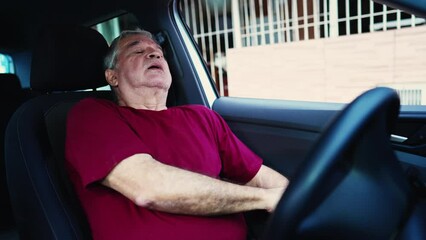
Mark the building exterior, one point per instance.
(313, 50)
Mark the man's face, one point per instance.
(140, 63)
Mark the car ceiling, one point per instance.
(416, 7)
(23, 17)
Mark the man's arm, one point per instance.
(154, 185)
(266, 177)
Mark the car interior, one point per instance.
(42, 123)
(348, 178)
(11, 102)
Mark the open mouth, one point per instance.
(155, 67)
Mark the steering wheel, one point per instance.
(351, 185)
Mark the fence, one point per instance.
(220, 25)
(410, 96)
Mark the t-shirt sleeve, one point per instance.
(97, 139)
(239, 163)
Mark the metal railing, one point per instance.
(220, 25)
(410, 96)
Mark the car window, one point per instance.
(6, 64)
(111, 28)
(310, 50)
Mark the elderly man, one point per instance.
(145, 171)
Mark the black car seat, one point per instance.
(66, 59)
(12, 95)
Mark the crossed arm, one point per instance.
(166, 188)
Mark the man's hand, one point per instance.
(273, 182)
(274, 195)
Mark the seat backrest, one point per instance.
(11, 96)
(65, 59)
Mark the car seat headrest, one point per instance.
(68, 58)
(10, 82)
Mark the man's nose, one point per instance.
(154, 54)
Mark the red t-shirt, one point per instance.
(100, 134)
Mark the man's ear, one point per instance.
(111, 77)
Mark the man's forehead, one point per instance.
(135, 40)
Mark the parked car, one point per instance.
(356, 170)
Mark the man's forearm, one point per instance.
(191, 193)
(170, 189)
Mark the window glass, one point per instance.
(6, 64)
(111, 29)
(320, 50)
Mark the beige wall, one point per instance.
(335, 70)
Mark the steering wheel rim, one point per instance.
(313, 206)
